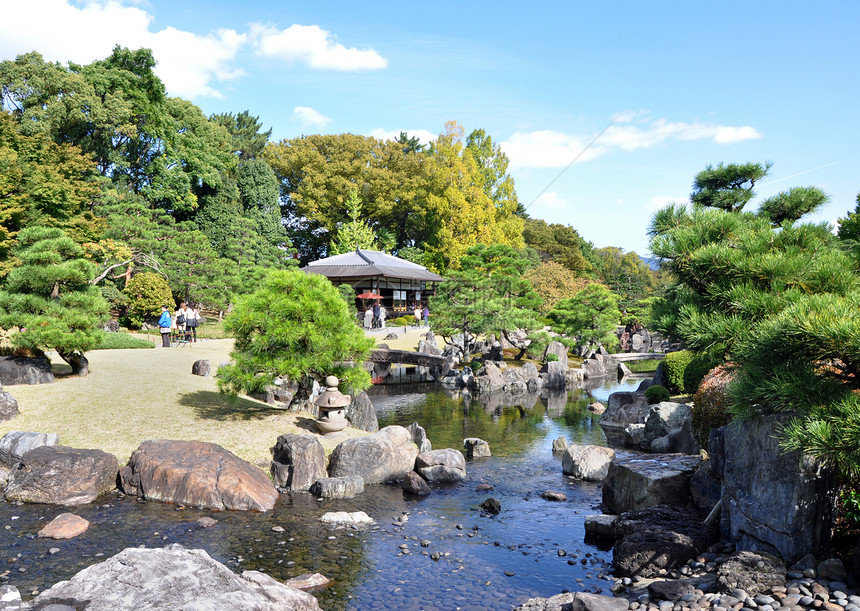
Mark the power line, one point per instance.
(575, 159)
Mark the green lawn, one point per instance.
(134, 395)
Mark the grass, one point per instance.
(122, 341)
(134, 395)
(646, 366)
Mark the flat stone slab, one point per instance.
(344, 519)
(637, 482)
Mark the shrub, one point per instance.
(551, 357)
(696, 370)
(113, 295)
(402, 321)
(657, 394)
(711, 403)
(114, 341)
(146, 293)
(676, 365)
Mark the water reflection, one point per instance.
(371, 570)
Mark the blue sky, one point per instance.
(679, 85)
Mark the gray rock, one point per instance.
(415, 484)
(172, 578)
(554, 375)
(705, 490)
(640, 341)
(798, 514)
(492, 506)
(663, 418)
(346, 487)
(419, 437)
(637, 482)
(660, 376)
(622, 410)
(15, 444)
(600, 525)
(488, 378)
(386, 456)
(645, 385)
(553, 495)
(661, 445)
(559, 350)
(575, 601)
(426, 347)
(476, 448)
(297, 462)
(281, 393)
(25, 370)
(361, 413)
(682, 440)
(201, 368)
(559, 445)
(633, 435)
(8, 406)
(597, 407)
(831, 569)
(593, 368)
(670, 590)
(587, 462)
(751, 572)
(62, 476)
(623, 370)
(446, 465)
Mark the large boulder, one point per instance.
(361, 413)
(172, 578)
(446, 465)
(64, 526)
(196, 473)
(338, 487)
(15, 444)
(201, 368)
(798, 513)
(663, 418)
(476, 448)
(560, 352)
(594, 368)
(25, 370)
(489, 378)
(386, 456)
(622, 410)
(297, 462)
(637, 482)
(750, 572)
(590, 463)
(554, 375)
(657, 538)
(62, 476)
(640, 341)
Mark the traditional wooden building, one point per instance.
(401, 284)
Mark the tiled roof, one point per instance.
(370, 263)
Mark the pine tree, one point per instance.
(49, 298)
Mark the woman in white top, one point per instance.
(180, 320)
(191, 321)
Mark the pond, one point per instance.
(534, 547)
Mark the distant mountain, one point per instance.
(653, 263)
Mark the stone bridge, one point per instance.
(620, 357)
(406, 357)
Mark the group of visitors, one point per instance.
(374, 318)
(183, 324)
(422, 314)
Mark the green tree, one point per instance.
(146, 293)
(554, 282)
(355, 233)
(247, 137)
(590, 316)
(627, 275)
(779, 303)
(49, 297)
(560, 243)
(296, 325)
(849, 227)
(728, 187)
(489, 294)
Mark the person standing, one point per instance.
(382, 314)
(191, 317)
(376, 315)
(417, 315)
(164, 324)
(425, 314)
(180, 321)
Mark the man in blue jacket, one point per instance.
(164, 327)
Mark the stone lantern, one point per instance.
(332, 406)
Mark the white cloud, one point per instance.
(187, 63)
(553, 149)
(313, 46)
(552, 200)
(309, 117)
(424, 137)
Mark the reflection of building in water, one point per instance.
(386, 373)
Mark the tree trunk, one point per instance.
(78, 362)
